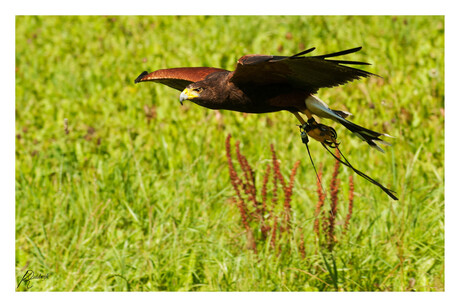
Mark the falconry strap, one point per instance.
(327, 137)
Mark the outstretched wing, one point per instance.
(177, 78)
(306, 72)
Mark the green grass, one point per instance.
(130, 202)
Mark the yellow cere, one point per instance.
(191, 93)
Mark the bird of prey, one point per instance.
(266, 83)
(263, 83)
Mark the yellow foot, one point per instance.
(323, 134)
(301, 120)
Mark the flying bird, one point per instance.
(267, 83)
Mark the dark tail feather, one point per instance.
(343, 114)
(367, 135)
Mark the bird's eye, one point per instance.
(199, 89)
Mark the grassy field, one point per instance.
(133, 193)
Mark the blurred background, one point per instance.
(120, 188)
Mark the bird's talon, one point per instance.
(322, 133)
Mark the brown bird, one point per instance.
(265, 83)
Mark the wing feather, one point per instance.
(306, 72)
(177, 78)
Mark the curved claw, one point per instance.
(322, 133)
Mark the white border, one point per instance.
(195, 7)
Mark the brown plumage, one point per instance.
(263, 83)
(177, 78)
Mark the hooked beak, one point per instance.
(188, 94)
(183, 96)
